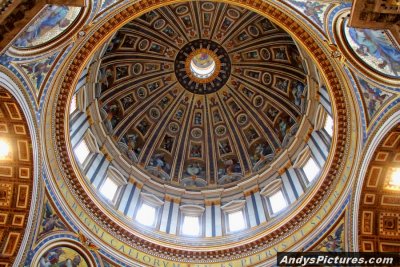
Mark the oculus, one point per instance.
(202, 66)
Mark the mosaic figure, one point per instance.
(297, 91)
(143, 127)
(247, 92)
(149, 17)
(51, 221)
(127, 101)
(206, 18)
(312, 9)
(260, 152)
(254, 74)
(153, 86)
(114, 43)
(216, 116)
(195, 151)
(280, 54)
(235, 108)
(187, 21)
(133, 151)
(121, 72)
(37, 71)
(282, 127)
(266, 25)
(282, 84)
(150, 67)
(226, 24)
(230, 166)
(333, 242)
(164, 102)
(137, 69)
(52, 21)
(224, 147)
(373, 97)
(106, 78)
(179, 114)
(158, 161)
(155, 48)
(129, 41)
(197, 118)
(168, 31)
(243, 37)
(251, 134)
(272, 113)
(375, 49)
(113, 116)
(62, 257)
(168, 143)
(253, 31)
(194, 169)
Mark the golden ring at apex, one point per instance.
(202, 65)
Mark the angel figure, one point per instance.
(333, 243)
(51, 221)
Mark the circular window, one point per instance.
(202, 65)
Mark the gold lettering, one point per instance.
(156, 262)
(146, 257)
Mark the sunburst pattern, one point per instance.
(196, 139)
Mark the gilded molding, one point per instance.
(240, 249)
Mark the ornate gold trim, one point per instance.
(158, 247)
(194, 77)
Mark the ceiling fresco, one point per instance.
(334, 239)
(158, 131)
(37, 71)
(50, 221)
(52, 22)
(186, 131)
(312, 9)
(374, 98)
(198, 95)
(62, 256)
(376, 48)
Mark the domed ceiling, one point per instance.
(201, 94)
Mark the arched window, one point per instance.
(328, 126)
(73, 106)
(236, 221)
(278, 201)
(86, 148)
(311, 169)
(191, 220)
(308, 167)
(111, 186)
(78, 103)
(146, 215)
(191, 225)
(82, 151)
(148, 209)
(275, 197)
(234, 215)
